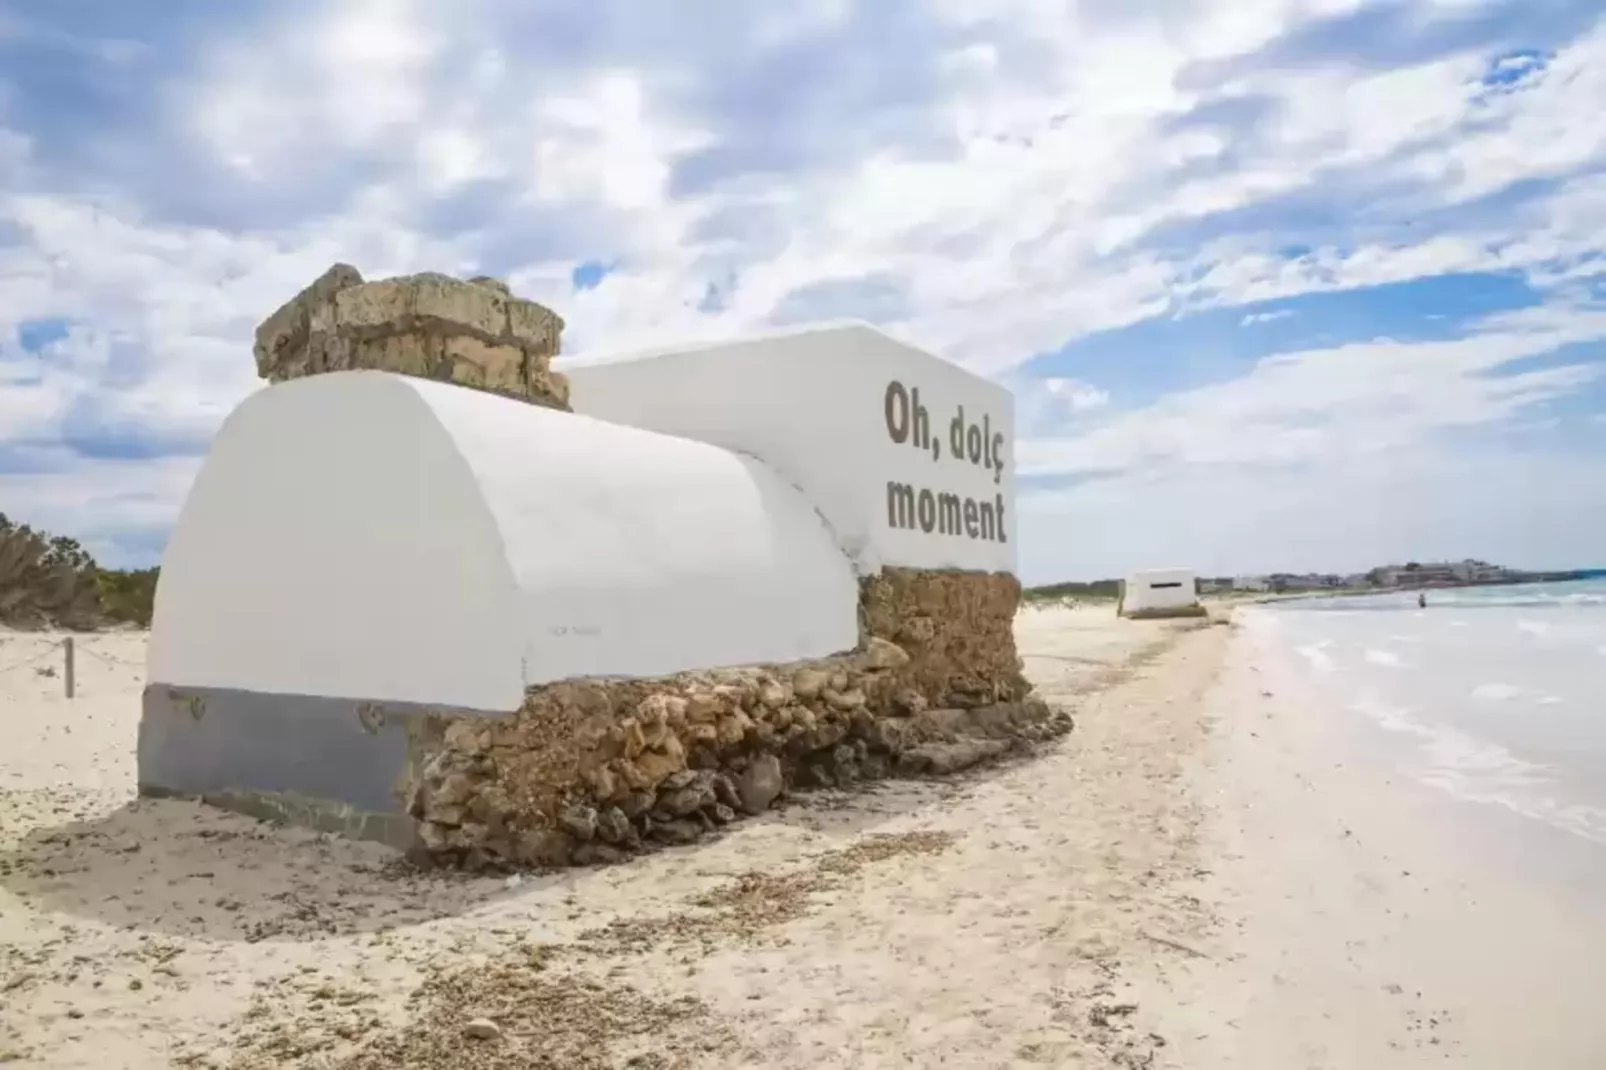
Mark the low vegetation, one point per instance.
(127, 595)
(1097, 590)
(51, 581)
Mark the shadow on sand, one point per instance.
(181, 869)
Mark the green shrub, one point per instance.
(45, 581)
(127, 595)
(1097, 589)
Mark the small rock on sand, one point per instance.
(760, 784)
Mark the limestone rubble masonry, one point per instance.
(474, 333)
(958, 627)
(589, 771)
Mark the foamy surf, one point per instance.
(1499, 699)
(1480, 771)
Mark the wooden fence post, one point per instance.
(69, 672)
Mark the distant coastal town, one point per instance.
(1412, 575)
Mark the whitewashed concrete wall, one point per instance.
(1169, 588)
(373, 536)
(852, 416)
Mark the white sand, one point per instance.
(1170, 886)
(1362, 921)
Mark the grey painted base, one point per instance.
(333, 764)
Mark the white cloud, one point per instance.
(347, 78)
(1075, 395)
(604, 140)
(1032, 171)
(120, 510)
(1265, 317)
(1046, 221)
(1334, 404)
(1331, 459)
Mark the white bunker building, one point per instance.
(362, 549)
(1165, 592)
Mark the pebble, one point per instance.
(482, 1029)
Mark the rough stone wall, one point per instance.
(592, 770)
(473, 333)
(958, 627)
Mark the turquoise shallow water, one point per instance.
(1494, 696)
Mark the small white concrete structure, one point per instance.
(910, 458)
(374, 536)
(1160, 592)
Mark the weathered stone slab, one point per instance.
(282, 337)
(554, 385)
(407, 354)
(944, 759)
(473, 333)
(534, 327)
(484, 364)
(429, 302)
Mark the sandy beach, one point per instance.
(1196, 877)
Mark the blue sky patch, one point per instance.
(34, 335)
(1511, 68)
(1145, 361)
(589, 275)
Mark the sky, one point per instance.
(1278, 284)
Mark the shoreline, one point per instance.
(1195, 877)
(1361, 922)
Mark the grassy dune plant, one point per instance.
(51, 581)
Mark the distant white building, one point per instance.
(1251, 583)
(1165, 592)
(1471, 571)
(1418, 575)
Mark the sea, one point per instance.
(1494, 697)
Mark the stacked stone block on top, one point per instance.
(473, 333)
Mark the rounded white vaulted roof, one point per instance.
(374, 536)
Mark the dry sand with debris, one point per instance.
(1122, 899)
